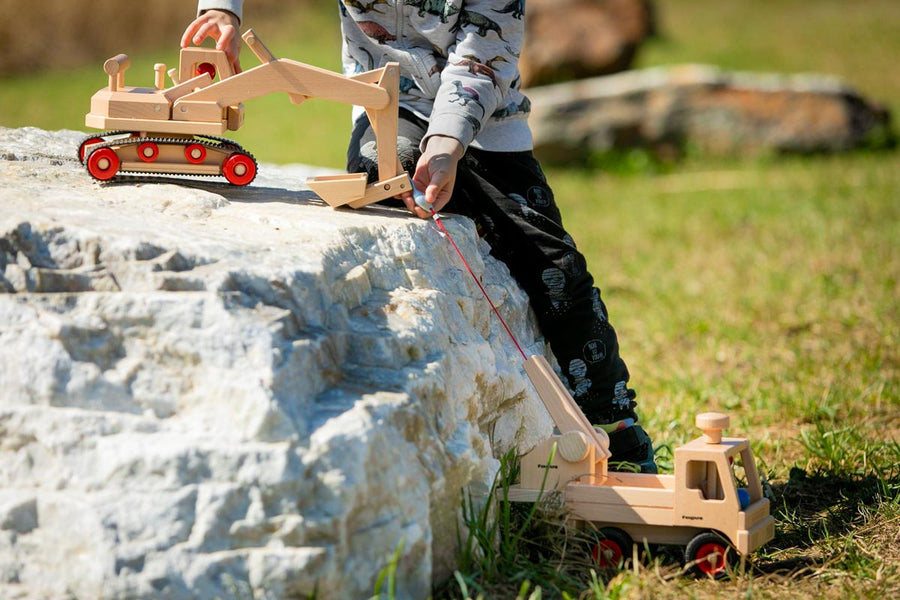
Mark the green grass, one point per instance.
(855, 40)
(768, 288)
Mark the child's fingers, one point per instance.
(440, 186)
(206, 30)
(191, 31)
(410, 203)
(438, 196)
(226, 37)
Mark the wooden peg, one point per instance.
(159, 70)
(257, 46)
(115, 67)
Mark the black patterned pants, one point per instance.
(507, 196)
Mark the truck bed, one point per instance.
(620, 498)
(625, 498)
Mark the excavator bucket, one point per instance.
(338, 190)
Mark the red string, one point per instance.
(475, 277)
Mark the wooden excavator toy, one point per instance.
(176, 130)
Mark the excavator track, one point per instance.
(198, 155)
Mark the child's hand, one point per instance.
(221, 26)
(436, 173)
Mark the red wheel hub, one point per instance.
(85, 144)
(711, 558)
(148, 152)
(195, 153)
(103, 164)
(607, 554)
(239, 169)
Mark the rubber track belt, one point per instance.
(207, 141)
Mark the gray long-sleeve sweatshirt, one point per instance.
(458, 62)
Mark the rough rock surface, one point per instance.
(577, 39)
(215, 392)
(719, 112)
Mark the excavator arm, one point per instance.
(377, 91)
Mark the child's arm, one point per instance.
(481, 68)
(221, 22)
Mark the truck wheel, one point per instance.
(103, 164)
(709, 554)
(612, 551)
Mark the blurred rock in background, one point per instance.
(669, 109)
(575, 39)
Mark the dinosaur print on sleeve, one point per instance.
(365, 8)
(464, 95)
(476, 67)
(438, 8)
(376, 32)
(516, 7)
(474, 19)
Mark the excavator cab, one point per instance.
(199, 61)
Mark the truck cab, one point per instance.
(719, 489)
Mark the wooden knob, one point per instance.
(712, 424)
(573, 446)
(117, 64)
(159, 70)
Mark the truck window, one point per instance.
(703, 475)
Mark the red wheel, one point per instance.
(148, 152)
(607, 554)
(195, 153)
(208, 68)
(103, 164)
(85, 144)
(612, 551)
(708, 554)
(711, 558)
(239, 169)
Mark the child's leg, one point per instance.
(508, 196)
(362, 156)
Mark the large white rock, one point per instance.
(208, 391)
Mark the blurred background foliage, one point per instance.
(51, 55)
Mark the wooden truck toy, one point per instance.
(177, 129)
(699, 507)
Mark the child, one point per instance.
(464, 138)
